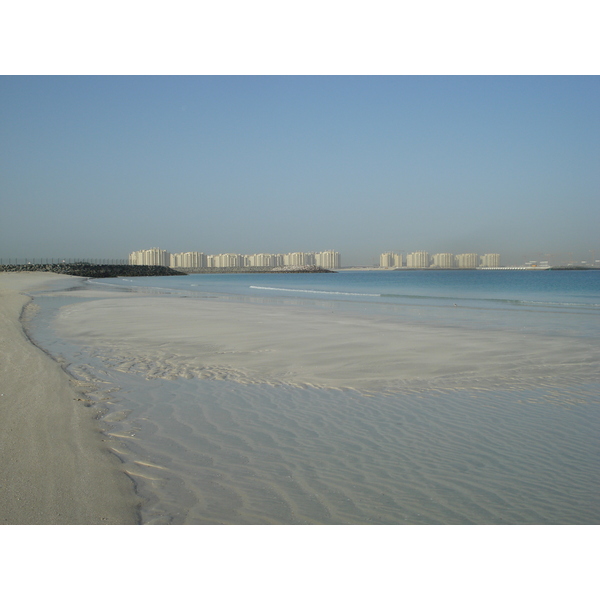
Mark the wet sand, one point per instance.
(220, 452)
(54, 467)
(245, 413)
(256, 343)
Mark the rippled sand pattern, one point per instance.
(220, 452)
(240, 414)
(172, 338)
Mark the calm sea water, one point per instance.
(206, 452)
(484, 289)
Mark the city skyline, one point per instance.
(332, 259)
(450, 163)
(387, 259)
(329, 259)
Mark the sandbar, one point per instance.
(172, 337)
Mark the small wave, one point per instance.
(258, 287)
(543, 303)
(98, 282)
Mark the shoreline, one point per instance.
(276, 344)
(55, 468)
(235, 411)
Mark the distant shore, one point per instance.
(55, 468)
(512, 268)
(197, 270)
(106, 271)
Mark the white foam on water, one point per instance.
(301, 291)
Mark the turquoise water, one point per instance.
(577, 290)
(208, 451)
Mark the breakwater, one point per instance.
(85, 269)
(96, 271)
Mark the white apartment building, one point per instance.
(299, 259)
(390, 259)
(467, 261)
(261, 260)
(136, 258)
(329, 259)
(490, 260)
(154, 256)
(229, 260)
(188, 260)
(417, 260)
(445, 260)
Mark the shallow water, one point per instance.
(207, 451)
(222, 452)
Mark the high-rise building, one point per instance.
(445, 260)
(390, 259)
(490, 260)
(467, 261)
(136, 258)
(229, 260)
(417, 260)
(154, 256)
(187, 260)
(299, 259)
(328, 259)
(260, 260)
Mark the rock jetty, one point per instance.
(100, 271)
(95, 271)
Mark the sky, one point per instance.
(100, 166)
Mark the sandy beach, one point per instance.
(233, 410)
(54, 467)
(255, 343)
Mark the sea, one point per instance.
(221, 451)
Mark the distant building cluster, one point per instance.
(329, 259)
(423, 260)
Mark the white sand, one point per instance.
(472, 437)
(54, 468)
(173, 337)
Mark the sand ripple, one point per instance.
(255, 454)
(241, 414)
(182, 338)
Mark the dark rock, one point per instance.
(95, 271)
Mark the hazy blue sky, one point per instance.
(101, 166)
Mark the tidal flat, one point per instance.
(230, 411)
